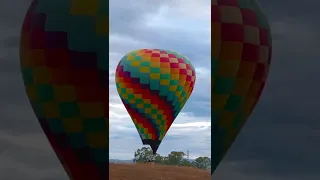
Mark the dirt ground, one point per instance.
(155, 172)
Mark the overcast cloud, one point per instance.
(279, 142)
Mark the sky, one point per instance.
(280, 140)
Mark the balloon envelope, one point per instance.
(241, 55)
(64, 64)
(154, 85)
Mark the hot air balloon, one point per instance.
(154, 85)
(64, 64)
(241, 55)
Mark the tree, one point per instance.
(202, 163)
(165, 160)
(185, 162)
(141, 155)
(175, 157)
(159, 159)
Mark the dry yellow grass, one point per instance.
(155, 172)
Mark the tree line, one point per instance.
(174, 158)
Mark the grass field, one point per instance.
(155, 172)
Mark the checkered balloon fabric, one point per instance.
(241, 56)
(154, 85)
(64, 64)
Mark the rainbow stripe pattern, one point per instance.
(64, 63)
(154, 85)
(241, 57)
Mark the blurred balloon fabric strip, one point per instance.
(240, 61)
(64, 62)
